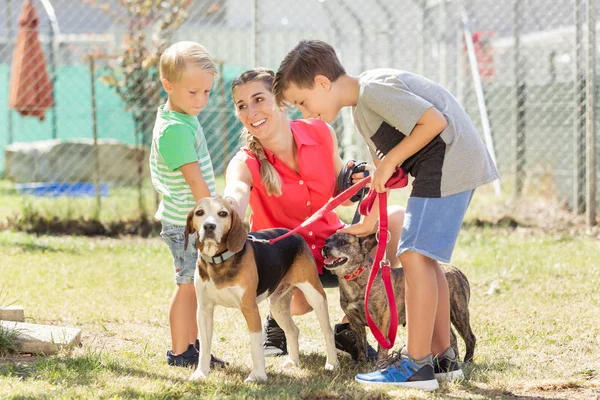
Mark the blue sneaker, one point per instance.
(403, 372)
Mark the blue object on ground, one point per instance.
(57, 189)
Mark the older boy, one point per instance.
(182, 173)
(410, 121)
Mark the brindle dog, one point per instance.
(348, 257)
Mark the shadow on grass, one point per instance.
(30, 247)
(310, 381)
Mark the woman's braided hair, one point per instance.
(268, 175)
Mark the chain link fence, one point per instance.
(525, 71)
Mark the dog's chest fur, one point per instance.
(229, 296)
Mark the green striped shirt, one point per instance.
(177, 140)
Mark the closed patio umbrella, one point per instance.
(30, 86)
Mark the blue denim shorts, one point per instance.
(431, 225)
(184, 261)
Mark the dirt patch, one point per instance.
(534, 214)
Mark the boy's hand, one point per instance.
(381, 175)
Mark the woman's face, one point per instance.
(256, 109)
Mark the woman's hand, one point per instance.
(365, 227)
(357, 176)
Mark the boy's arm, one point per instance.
(193, 176)
(337, 160)
(431, 124)
(238, 182)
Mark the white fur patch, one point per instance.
(230, 296)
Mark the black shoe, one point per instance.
(275, 343)
(188, 358)
(215, 362)
(446, 367)
(345, 340)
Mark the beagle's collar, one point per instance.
(219, 258)
(355, 273)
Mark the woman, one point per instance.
(286, 171)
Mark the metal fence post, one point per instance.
(579, 85)
(518, 90)
(590, 127)
(95, 135)
(54, 32)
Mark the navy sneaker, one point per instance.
(188, 358)
(445, 366)
(405, 372)
(275, 343)
(345, 340)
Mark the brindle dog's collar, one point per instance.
(219, 258)
(355, 274)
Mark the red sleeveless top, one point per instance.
(303, 192)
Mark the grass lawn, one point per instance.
(535, 306)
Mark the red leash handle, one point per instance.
(398, 179)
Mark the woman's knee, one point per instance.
(299, 305)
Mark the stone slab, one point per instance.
(42, 339)
(12, 313)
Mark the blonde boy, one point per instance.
(182, 173)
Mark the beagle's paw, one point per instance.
(290, 363)
(331, 366)
(198, 375)
(256, 377)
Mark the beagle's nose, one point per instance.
(209, 226)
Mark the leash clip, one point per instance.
(257, 240)
(385, 263)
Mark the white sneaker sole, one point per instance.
(449, 376)
(273, 351)
(428, 386)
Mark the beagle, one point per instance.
(238, 273)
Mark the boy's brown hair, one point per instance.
(180, 55)
(307, 60)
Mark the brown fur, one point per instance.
(357, 252)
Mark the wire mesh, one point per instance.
(531, 61)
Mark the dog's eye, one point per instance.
(199, 213)
(222, 214)
(342, 243)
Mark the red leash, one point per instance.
(398, 179)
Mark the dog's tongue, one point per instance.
(330, 260)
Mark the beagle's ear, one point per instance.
(236, 237)
(368, 243)
(189, 227)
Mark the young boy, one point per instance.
(182, 173)
(410, 121)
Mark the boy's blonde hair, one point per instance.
(301, 65)
(180, 55)
(268, 175)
